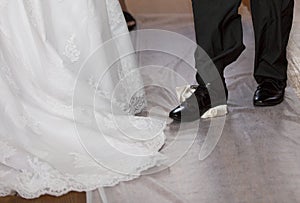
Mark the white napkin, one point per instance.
(184, 92)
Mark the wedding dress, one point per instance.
(66, 111)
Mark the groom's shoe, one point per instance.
(270, 92)
(197, 106)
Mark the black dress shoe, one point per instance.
(194, 107)
(270, 92)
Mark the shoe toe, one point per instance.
(176, 113)
(265, 97)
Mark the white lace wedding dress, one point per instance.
(64, 107)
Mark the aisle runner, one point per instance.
(258, 156)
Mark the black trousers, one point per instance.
(219, 33)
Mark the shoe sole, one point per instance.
(269, 104)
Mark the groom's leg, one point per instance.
(272, 21)
(219, 33)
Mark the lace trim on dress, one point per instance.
(42, 179)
